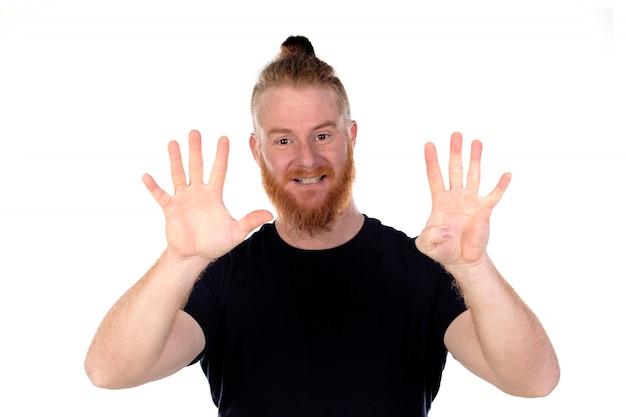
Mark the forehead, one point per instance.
(290, 107)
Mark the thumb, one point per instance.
(431, 237)
(253, 220)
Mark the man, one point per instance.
(324, 312)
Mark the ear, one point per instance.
(254, 147)
(353, 130)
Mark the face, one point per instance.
(304, 146)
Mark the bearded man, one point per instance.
(325, 311)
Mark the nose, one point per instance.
(306, 155)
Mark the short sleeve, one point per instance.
(203, 303)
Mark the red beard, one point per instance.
(316, 219)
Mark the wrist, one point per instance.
(479, 282)
(181, 271)
(192, 261)
(481, 265)
(470, 271)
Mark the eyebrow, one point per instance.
(276, 131)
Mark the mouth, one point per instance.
(313, 180)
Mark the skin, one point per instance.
(146, 335)
(302, 130)
(498, 338)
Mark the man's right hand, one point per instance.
(198, 225)
(145, 335)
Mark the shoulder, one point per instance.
(391, 240)
(256, 245)
(246, 260)
(398, 252)
(375, 228)
(256, 250)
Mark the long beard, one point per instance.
(312, 220)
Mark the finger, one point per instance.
(220, 165)
(455, 167)
(496, 195)
(254, 220)
(431, 237)
(157, 192)
(176, 165)
(473, 173)
(433, 171)
(196, 167)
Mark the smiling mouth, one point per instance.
(310, 180)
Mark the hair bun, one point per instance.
(296, 45)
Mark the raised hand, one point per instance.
(197, 222)
(457, 231)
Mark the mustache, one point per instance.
(299, 173)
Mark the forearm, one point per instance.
(132, 335)
(513, 342)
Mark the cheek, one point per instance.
(271, 167)
(276, 163)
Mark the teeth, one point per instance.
(309, 180)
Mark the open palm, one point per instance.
(197, 221)
(457, 230)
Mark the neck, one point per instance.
(344, 228)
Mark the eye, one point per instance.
(283, 141)
(321, 136)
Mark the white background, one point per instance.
(91, 92)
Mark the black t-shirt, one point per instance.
(355, 330)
